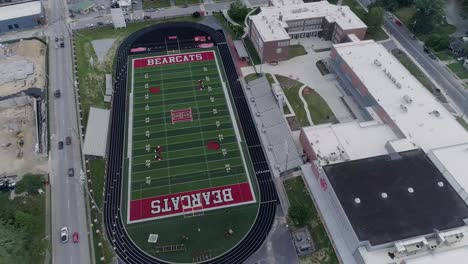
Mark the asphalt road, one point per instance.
(68, 204)
(436, 71)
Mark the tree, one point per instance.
(196, 14)
(374, 18)
(238, 11)
(429, 13)
(299, 214)
(437, 42)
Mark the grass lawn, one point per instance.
(186, 2)
(296, 50)
(298, 195)
(318, 108)
(458, 69)
(462, 122)
(22, 227)
(97, 176)
(405, 14)
(226, 26)
(361, 13)
(416, 72)
(252, 51)
(92, 77)
(291, 90)
(444, 55)
(156, 4)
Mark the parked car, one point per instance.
(56, 39)
(150, 10)
(426, 49)
(146, 17)
(398, 22)
(60, 145)
(460, 59)
(62, 45)
(71, 172)
(76, 237)
(100, 23)
(432, 56)
(57, 94)
(64, 234)
(68, 140)
(412, 36)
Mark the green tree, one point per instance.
(429, 13)
(299, 214)
(238, 11)
(374, 18)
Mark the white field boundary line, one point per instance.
(130, 143)
(208, 179)
(228, 102)
(181, 174)
(236, 130)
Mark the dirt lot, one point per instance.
(31, 50)
(19, 123)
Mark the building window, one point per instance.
(278, 50)
(10, 27)
(16, 26)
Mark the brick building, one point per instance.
(272, 29)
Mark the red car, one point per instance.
(398, 22)
(76, 237)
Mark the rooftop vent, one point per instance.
(436, 113)
(404, 108)
(357, 200)
(384, 195)
(410, 190)
(407, 99)
(440, 184)
(378, 63)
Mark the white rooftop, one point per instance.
(271, 27)
(20, 10)
(346, 140)
(453, 160)
(416, 112)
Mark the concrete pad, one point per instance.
(102, 47)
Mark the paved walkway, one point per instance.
(306, 105)
(304, 69)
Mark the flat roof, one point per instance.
(453, 160)
(415, 111)
(95, 142)
(271, 27)
(346, 140)
(241, 51)
(432, 204)
(453, 256)
(20, 10)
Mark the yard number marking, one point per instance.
(210, 89)
(215, 111)
(146, 107)
(224, 151)
(212, 99)
(148, 163)
(220, 137)
(146, 96)
(148, 180)
(207, 78)
(218, 124)
(146, 75)
(227, 166)
(146, 85)
(205, 69)
(148, 147)
(147, 133)
(147, 120)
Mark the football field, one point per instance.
(183, 143)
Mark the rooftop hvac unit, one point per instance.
(411, 246)
(377, 62)
(252, 99)
(436, 113)
(404, 108)
(398, 85)
(393, 79)
(270, 148)
(384, 70)
(333, 156)
(258, 114)
(407, 99)
(449, 237)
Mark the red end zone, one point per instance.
(173, 59)
(193, 201)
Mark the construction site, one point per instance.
(23, 114)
